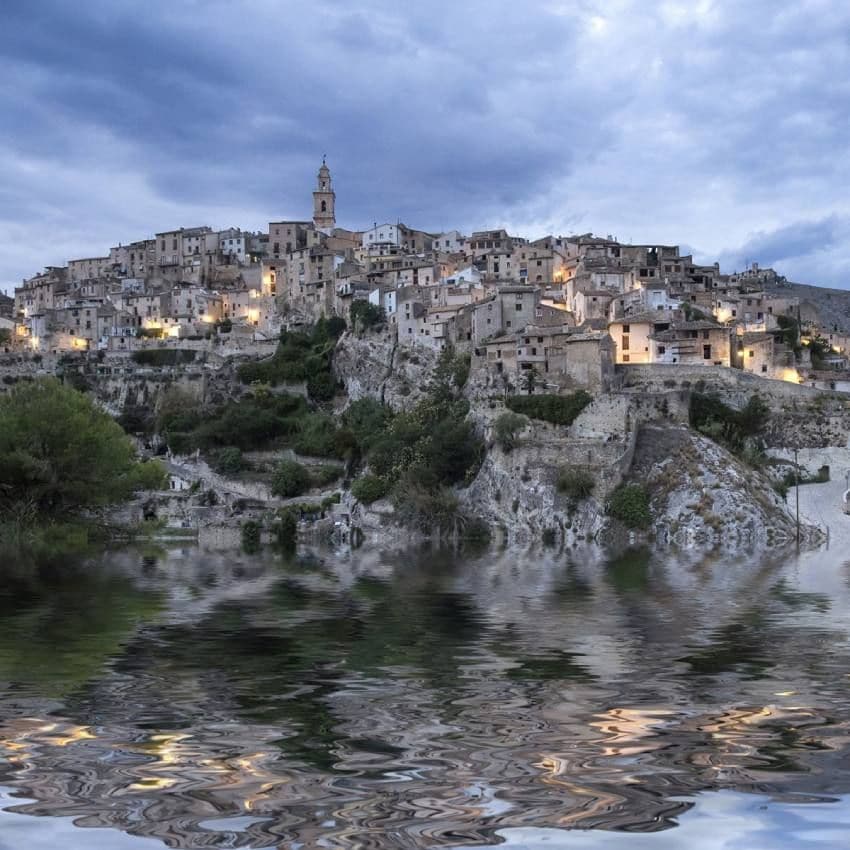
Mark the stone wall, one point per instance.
(709, 379)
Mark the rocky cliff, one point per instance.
(702, 494)
(376, 366)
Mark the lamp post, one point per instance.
(797, 492)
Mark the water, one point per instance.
(535, 699)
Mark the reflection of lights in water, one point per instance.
(168, 752)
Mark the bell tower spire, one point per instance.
(324, 200)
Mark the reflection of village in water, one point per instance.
(345, 702)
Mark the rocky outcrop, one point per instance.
(702, 494)
(517, 491)
(374, 365)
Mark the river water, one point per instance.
(521, 699)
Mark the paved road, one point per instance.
(821, 504)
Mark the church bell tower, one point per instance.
(324, 199)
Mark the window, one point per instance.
(764, 367)
(662, 349)
(751, 354)
(625, 342)
(519, 308)
(705, 334)
(625, 358)
(540, 339)
(706, 352)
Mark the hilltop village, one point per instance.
(625, 338)
(568, 307)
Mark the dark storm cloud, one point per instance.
(691, 121)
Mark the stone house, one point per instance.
(631, 336)
(89, 268)
(287, 236)
(700, 343)
(564, 355)
(754, 352)
(592, 304)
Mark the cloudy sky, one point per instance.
(717, 124)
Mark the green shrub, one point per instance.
(290, 479)
(736, 429)
(163, 356)
(300, 356)
(251, 535)
(225, 326)
(367, 419)
(149, 475)
(322, 475)
(426, 508)
(365, 315)
(558, 409)
(576, 484)
(629, 503)
(369, 488)
(507, 428)
(321, 386)
(228, 461)
(316, 436)
(60, 454)
(287, 529)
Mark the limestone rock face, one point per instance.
(703, 494)
(375, 366)
(516, 491)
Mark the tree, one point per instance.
(365, 315)
(5, 336)
(529, 380)
(290, 479)
(61, 455)
(507, 429)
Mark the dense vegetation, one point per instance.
(290, 479)
(507, 428)
(163, 356)
(417, 455)
(576, 484)
(558, 409)
(629, 503)
(735, 429)
(789, 331)
(365, 315)
(300, 356)
(369, 488)
(61, 456)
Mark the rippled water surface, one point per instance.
(426, 699)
